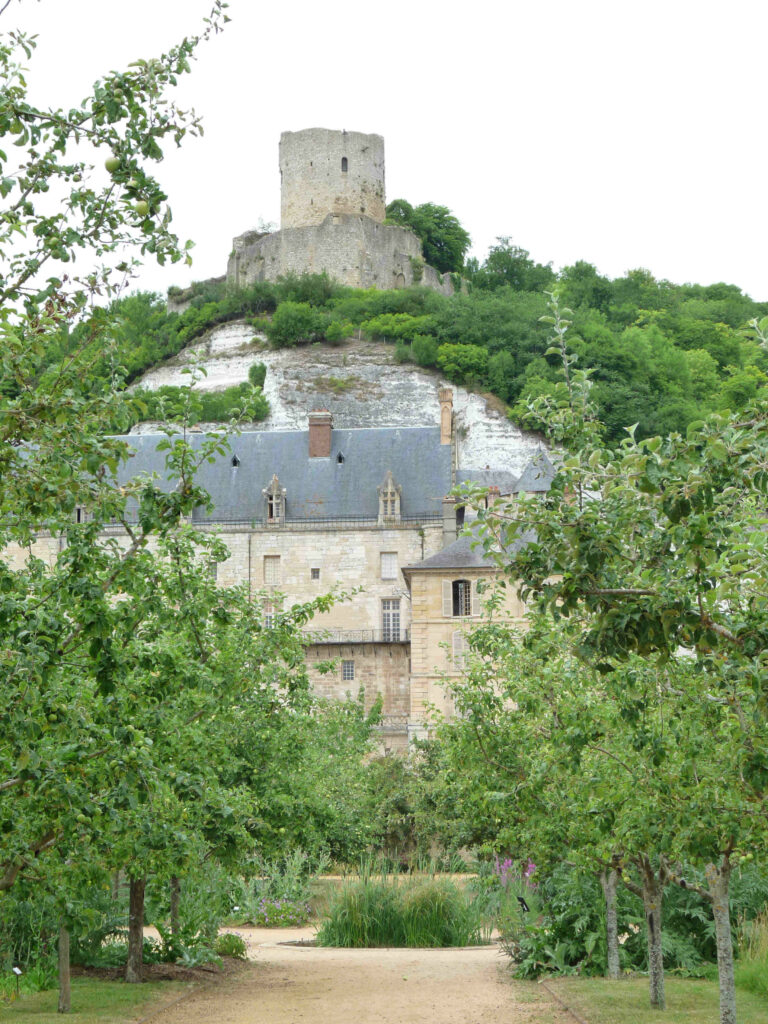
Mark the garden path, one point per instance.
(309, 985)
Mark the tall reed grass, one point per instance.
(751, 970)
(414, 911)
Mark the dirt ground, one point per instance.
(310, 985)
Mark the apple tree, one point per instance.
(660, 548)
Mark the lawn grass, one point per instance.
(94, 1002)
(689, 1001)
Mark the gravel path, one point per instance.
(309, 985)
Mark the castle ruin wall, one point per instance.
(353, 249)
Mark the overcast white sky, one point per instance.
(623, 132)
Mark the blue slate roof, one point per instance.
(467, 552)
(538, 474)
(501, 478)
(315, 488)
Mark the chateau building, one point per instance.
(366, 512)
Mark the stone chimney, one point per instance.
(446, 414)
(320, 426)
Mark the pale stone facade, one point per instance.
(324, 172)
(439, 626)
(362, 513)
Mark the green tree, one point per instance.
(444, 241)
(660, 547)
(510, 265)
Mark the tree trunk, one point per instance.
(718, 880)
(609, 880)
(64, 988)
(175, 897)
(135, 930)
(652, 895)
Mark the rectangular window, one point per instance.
(213, 570)
(348, 671)
(462, 597)
(390, 620)
(271, 570)
(268, 614)
(314, 574)
(389, 565)
(459, 598)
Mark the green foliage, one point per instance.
(444, 241)
(424, 350)
(277, 895)
(752, 945)
(412, 911)
(229, 944)
(463, 364)
(257, 373)
(169, 403)
(397, 326)
(509, 265)
(295, 322)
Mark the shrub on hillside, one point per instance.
(295, 322)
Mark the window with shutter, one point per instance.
(447, 599)
(459, 649)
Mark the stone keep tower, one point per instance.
(332, 212)
(330, 172)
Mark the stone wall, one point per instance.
(433, 632)
(335, 172)
(354, 250)
(346, 559)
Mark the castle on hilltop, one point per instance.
(332, 220)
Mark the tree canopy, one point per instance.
(444, 241)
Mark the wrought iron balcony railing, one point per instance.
(357, 636)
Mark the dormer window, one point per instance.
(344, 165)
(274, 496)
(340, 458)
(235, 462)
(389, 500)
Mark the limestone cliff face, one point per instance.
(362, 386)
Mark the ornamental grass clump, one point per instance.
(752, 966)
(413, 912)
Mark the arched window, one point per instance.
(340, 458)
(235, 462)
(344, 165)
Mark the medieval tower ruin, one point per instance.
(324, 172)
(333, 206)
